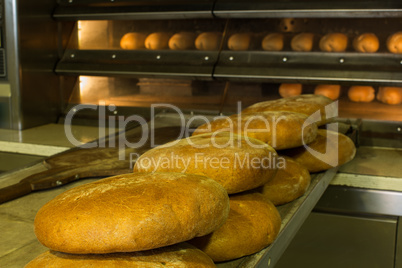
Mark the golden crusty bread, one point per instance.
(272, 42)
(367, 42)
(329, 91)
(158, 40)
(280, 129)
(306, 104)
(182, 41)
(290, 182)
(330, 149)
(133, 40)
(239, 41)
(390, 95)
(334, 42)
(394, 43)
(361, 93)
(302, 42)
(290, 90)
(229, 159)
(132, 212)
(181, 255)
(253, 224)
(208, 41)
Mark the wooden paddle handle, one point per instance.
(14, 191)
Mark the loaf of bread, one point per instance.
(182, 41)
(208, 41)
(361, 93)
(280, 129)
(290, 182)
(272, 42)
(307, 104)
(302, 42)
(290, 90)
(367, 42)
(394, 43)
(239, 41)
(158, 40)
(330, 149)
(253, 224)
(334, 42)
(180, 255)
(237, 163)
(329, 91)
(133, 41)
(390, 95)
(132, 212)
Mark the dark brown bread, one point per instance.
(132, 212)
(279, 129)
(253, 224)
(181, 255)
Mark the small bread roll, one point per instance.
(208, 41)
(394, 43)
(390, 95)
(290, 90)
(361, 93)
(367, 42)
(182, 41)
(334, 42)
(239, 41)
(302, 42)
(157, 40)
(330, 91)
(133, 41)
(272, 42)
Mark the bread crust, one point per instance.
(361, 93)
(182, 41)
(394, 43)
(334, 42)
(133, 40)
(272, 42)
(366, 43)
(302, 42)
(208, 41)
(390, 95)
(158, 40)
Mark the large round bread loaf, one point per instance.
(237, 163)
(306, 104)
(132, 212)
(181, 255)
(330, 149)
(253, 224)
(279, 129)
(290, 182)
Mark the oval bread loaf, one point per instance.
(272, 42)
(132, 212)
(390, 95)
(158, 40)
(307, 104)
(394, 43)
(330, 149)
(361, 93)
(367, 42)
(237, 163)
(208, 41)
(182, 41)
(181, 255)
(302, 42)
(329, 91)
(290, 90)
(334, 42)
(280, 129)
(239, 41)
(133, 41)
(253, 224)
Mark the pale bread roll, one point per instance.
(229, 159)
(394, 43)
(302, 42)
(361, 93)
(272, 42)
(280, 129)
(329, 91)
(253, 224)
(239, 41)
(158, 40)
(133, 40)
(290, 182)
(390, 95)
(132, 212)
(330, 149)
(208, 41)
(181, 255)
(290, 90)
(307, 104)
(334, 42)
(182, 41)
(367, 42)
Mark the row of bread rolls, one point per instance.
(387, 95)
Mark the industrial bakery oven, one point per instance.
(102, 56)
